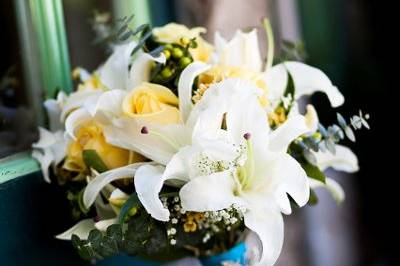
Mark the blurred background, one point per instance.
(353, 41)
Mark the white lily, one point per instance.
(242, 50)
(165, 144)
(263, 177)
(260, 184)
(50, 150)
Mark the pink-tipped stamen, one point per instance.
(247, 136)
(144, 130)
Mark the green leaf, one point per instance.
(289, 86)
(313, 171)
(313, 200)
(132, 202)
(93, 160)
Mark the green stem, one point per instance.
(271, 45)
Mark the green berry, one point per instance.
(185, 41)
(177, 53)
(167, 54)
(166, 72)
(185, 61)
(168, 46)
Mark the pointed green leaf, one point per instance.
(93, 160)
(313, 171)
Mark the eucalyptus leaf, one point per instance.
(342, 122)
(330, 145)
(95, 237)
(310, 157)
(322, 130)
(142, 41)
(350, 134)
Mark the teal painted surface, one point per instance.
(140, 10)
(162, 12)
(16, 166)
(49, 29)
(237, 254)
(32, 212)
(323, 33)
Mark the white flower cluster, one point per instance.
(207, 223)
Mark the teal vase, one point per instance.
(236, 254)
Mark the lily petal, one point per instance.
(128, 136)
(343, 160)
(44, 158)
(307, 80)
(109, 102)
(252, 119)
(114, 73)
(185, 84)
(54, 109)
(104, 224)
(267, 223)
(141, 68)
(97, 184)
(77, 100)
(180, 166)
(209, 193)
(241, 51)
(288, 177)
(75, 120)
(281, 138)
(46, 139)
(148, 183)
(81, 229)
(332, 186)
(311, 117)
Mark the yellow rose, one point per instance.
(152, 103)
(90, 137)
(173, 33)
(218, 73)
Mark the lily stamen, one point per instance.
(249, 165)
(145, 130)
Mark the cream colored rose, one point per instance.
(152, 103)
(174, 33)
(90, 137)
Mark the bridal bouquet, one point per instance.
(175, 147)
